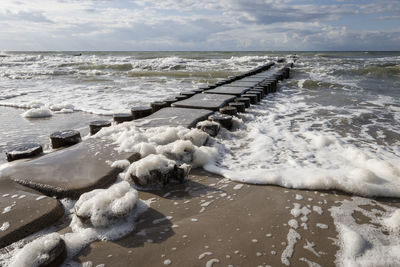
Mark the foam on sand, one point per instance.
(366, 244)
(41, 112)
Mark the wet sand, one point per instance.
(240, 224)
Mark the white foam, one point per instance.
(101, 207)
(365, 244)
(142, 167)
(270, 147)
(5, 226)
(37, 113)
(287, 253)
(36, 252)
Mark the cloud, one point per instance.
(196, 25)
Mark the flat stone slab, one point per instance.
(242, 84)
(173, 116)
(228, 90)
(205, 101)
(24, 211)
(251, 79)
(71, 171)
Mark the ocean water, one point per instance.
(331, 98)
(333, 125)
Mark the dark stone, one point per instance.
(253, 98)
(240, 106)
(181, 97)
(257, 93)
(24, 151)
(260, 90)
(96, 126)
(205, 101)
(198, 91)
(244, 100)
(141, 112)
(229, 110)
(211, 128)
(172, 116)
(264, 89)
(169, 101)
(224, 120)
(122, 117)
(29, 214)
(188, 93)
(281, 60)
(157, 105)
(65, 138)
(156, 177)
(56, 256)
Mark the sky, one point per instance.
(197, 25)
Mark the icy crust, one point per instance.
(101, 207)
(367, 244)
(37, 252)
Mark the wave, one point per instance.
(312, 84)
(379, 71)
(120, 67)
(181, 74)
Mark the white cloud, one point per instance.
(191, 25)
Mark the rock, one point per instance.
(181, 97)
(71, 171)
(141, 112)
(224, 120)
(209, 127)
(240, 106)
(257, 93)
(205, 101)
(188, 93)
(228, 90)
(157, 105)
(253, 98)
(47, 250)
(25, 211)
(156, 170)
(24, 151)
(65, 138)
(229, 110)
(122, 117)
(173, 116)
(244, 100)
(169, 101)
(96, 126)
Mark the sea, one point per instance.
(349, 99)
(333, 125)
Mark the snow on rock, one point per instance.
(101, 207)
(41, 112)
